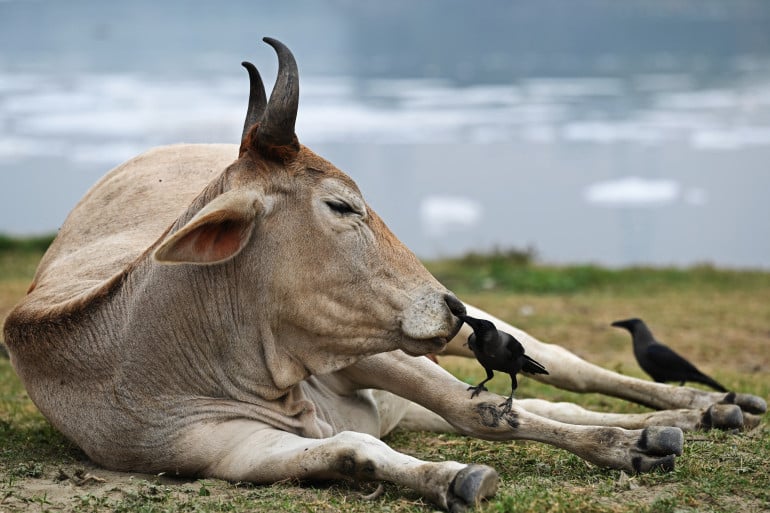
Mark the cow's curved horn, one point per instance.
(257, 98)
(276, 129)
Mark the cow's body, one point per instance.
(244, 315)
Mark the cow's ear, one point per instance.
(215, 234)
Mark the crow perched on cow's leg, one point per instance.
(498, 350)
(660, 361)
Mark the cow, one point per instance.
(240, 312)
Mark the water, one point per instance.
(631, 133)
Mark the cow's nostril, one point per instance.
(455, 305)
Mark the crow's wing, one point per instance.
(667, 361)
(513, 346)
(472, 342)
(531, 366)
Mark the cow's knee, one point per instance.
(353, 460)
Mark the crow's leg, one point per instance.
(480, 387)
(509, 402)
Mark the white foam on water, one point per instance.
(573, 87)
(607, 132)
(731, 139)
(441, 215)
(709, 99)
(632, 191)
(82, 117)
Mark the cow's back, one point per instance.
(119, 218)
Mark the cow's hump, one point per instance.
(118, 219)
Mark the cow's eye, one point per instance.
(340, 207)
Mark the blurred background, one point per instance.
(592, 131)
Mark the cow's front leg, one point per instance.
(243, 450)
(722, 416)
(421, 381)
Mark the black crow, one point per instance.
(498, 351)
(660, 361)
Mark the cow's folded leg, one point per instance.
(242, 450)
(425, 383)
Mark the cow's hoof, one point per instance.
(642, 464)
(661, 441)
(656, 449)
(747, 402)
(722, 416)
(470, 486)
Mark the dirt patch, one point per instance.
(84, 486)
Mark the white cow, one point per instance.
(241, 313)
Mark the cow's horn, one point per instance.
(276, 129)
(257, 98)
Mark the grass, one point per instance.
(507, 271)
(719, 318)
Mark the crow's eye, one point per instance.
(340, 207)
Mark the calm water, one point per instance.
(636, 133)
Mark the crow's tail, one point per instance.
(532, 367)
(702, 378)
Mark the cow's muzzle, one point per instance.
(433, 316)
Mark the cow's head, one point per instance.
(328, 277)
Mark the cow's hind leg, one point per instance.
(242, 450)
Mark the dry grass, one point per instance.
(727, 329)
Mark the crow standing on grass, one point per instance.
(659, 361)
(498, 351)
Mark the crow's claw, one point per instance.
(477, 390)
(507, 405)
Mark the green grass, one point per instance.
(517, 271)
(34, 245)
(19, 256)
(717, 317)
